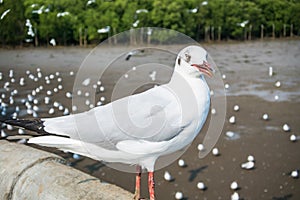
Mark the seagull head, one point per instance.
(192, 61)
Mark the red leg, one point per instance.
(151, 185)
(137, 194)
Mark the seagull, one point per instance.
(120, 132)
(134, 52)
(201, 186)
(4, 14)
(168, 176)
(53, 42)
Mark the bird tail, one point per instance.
(35, 125)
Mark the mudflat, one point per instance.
(246, 69)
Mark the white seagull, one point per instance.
(137, 129)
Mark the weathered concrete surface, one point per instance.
(28, 173)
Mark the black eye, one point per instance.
(178, 61)
(188, 57)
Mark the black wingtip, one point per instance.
(35, 125)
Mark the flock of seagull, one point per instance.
(17, 103)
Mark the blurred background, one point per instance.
(77, 22)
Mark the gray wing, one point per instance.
(153, 116)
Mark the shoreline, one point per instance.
(92, 46)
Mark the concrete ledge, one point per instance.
(28, 173)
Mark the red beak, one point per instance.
(204, 68)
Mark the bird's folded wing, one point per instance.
(107, 124)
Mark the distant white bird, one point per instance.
(230, 134)
(104, 30)
(265, 116)
(295, 174)
(182, 105)
(213, 111)
(141, 11)
(235, 196)
(60, 107)
(234, 185)
(136, 23)
(3, 134)
(11, 73)
(68, 94)
(270, 71)
(9, 127)
(21, 131)
(248, 165)
(66, 111)
(90, 2)
(102, 99)
(39, 11)
(62, 14)
(74, 108)
(51, 111)
(286, 128)
(4, 13)
(47, 100)
(236, 108)
(232, 120)
(200, 147)
(53, 42)
(243, 24)
(181, 163)
(201, 186)
(194, 10)
(226, 86)
(56, 104)
(101, 88)
(277, 84)
(22, 81)
(293, 138)
(79, 92)
(178, 195)
(86, 82)
(215, 151)
(204, 3)
(168, 176)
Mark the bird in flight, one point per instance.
(137, 129)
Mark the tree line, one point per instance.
(81, 22)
